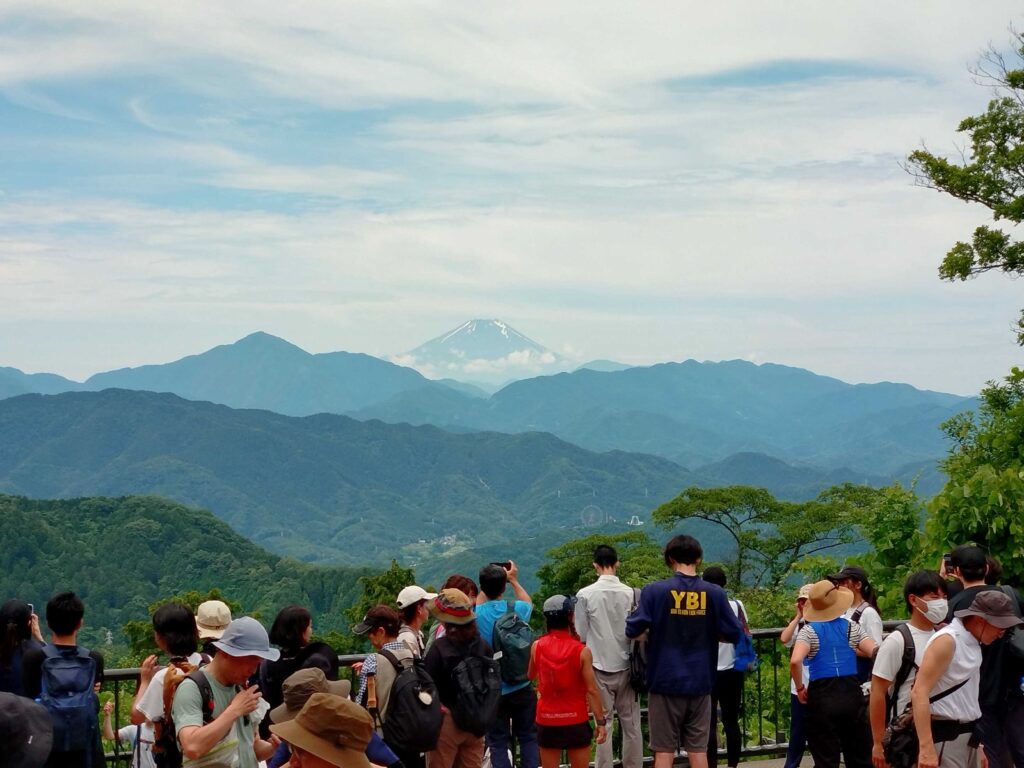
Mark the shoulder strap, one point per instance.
(205, 693)
(50, 651)
(393, 659)
(636, 599)
(907, 666)
(948, 691)
(511, 607)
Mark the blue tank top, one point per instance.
(835, 657)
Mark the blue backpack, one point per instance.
(746, 656)
(68, 695)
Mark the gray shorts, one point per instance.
(679, 721)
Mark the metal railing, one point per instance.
(764, 711)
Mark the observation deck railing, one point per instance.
(764, 713)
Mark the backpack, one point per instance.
(166, 750)
(746, 656)
(637, 656)
(907, 665)
(864, 666)
(1014, 639)
(413, 718)
(511, 642)
(67, 693)
(478, 692)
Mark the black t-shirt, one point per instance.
(442, 658)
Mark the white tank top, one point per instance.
(962, 704)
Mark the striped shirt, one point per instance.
(809, 636)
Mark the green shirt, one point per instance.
(187, 710)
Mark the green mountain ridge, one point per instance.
(122, 554)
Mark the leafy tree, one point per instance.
(991, 173)
(983, 499)
(380, 589)
(770, 537)
(140, 633)
(569, 567)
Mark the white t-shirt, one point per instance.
(806, 676)
(962, 704)
(151, 704)
(870, 622)
(890, 658)
(727, 651)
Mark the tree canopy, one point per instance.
(983, 499)
(770, 537)
(991, 173)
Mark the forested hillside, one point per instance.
(123, 554)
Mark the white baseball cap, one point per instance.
(413, 594)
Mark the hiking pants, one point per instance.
(797, 732)
(727, 694)
(618, 696)
(517, 713)
(837, 723)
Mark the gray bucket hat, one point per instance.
(246, 637)
(995, 607)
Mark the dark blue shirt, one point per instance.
(10, 674)
(686, 617)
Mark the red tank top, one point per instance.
(561, 692)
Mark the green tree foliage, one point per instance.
(983, 499)
(140, 632)
(569, 568)
(890, 521)
(123, 556)
(770, 537)
(991, 173)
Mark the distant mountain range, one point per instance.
(331, 489)
(692, 413)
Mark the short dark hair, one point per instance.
(176, 625)
(462, 583)
(605, 556)
(683, 550)
(921, 583)
(64, 612)
(970, 560)
(493, 579)
(714, 575)
(384, 617)
(289, 626)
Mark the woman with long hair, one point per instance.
(863, 611)
(564, 670)
(19, 631)
(461, 741)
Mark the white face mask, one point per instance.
(934, 610)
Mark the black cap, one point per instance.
(850, 572)
(26, 732)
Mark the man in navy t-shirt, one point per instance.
(685, 617)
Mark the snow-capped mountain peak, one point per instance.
(482, 350)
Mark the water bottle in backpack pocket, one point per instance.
(67, 682)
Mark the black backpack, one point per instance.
(637, 656)
(907, 665)
(66, 690)
(511, 642)
(413, 718)
(166, 750)
(478, 692)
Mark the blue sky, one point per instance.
(653, 182)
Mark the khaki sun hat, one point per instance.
(299, 686)
(332, 728)
(452, 606)
(212, 618)
(826, 601)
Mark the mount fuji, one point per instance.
(489, 351)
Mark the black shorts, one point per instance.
(572, 736)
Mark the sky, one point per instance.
(634, 181)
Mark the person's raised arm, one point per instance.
(789, 631)
(593, 694)
(936, 661)
(197, 740)
(513, 579)
(146, 673)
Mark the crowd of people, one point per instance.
(476, 687)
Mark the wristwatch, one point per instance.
(601, 720)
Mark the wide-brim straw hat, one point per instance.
(826, 601)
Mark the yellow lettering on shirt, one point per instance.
(689, 603)
(678, 597)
